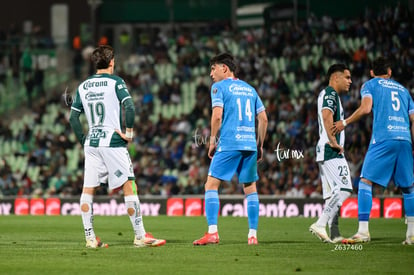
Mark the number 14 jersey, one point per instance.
(241, 104)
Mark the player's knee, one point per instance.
(85, 207)
(408, 190)
(131, 211)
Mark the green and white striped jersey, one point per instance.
(100, 97)
(329, 99)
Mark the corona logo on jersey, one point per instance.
(91, 84)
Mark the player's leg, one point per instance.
(120, 173)
(377, 168)
(403, 178)
(334, 232)
(132, 205)
(252, 199)
(337, 187)
(212, 208)
(247, 171)
(93, 167)
(408, 195)
(222, 167)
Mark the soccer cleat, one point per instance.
(95, 243)
(409, 241)
(212, 238)
(148, 241)
(252, 241)
(338, 239)
(358, 238)
(320, 232)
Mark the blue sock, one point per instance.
(253, 210)
(212, 205)
(409, 204)
(364, 201)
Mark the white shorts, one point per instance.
(335, 175)
(110, 165)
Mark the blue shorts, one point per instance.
(226, 163)
(391, 158)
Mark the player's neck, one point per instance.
(104, 71)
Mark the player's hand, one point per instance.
(211, 150)
(337, 127)
(259, 154)
(123, 136)
(336, 147)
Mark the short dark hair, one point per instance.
(381, 65)
(102, 56)
(336, 68)
(225, 58)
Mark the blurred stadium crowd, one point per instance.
(168, 78)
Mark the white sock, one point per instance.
(329, 211)
(212, 229)
(252, 233)
(132, 202)
(343, 195)
(410, 227)
(87, 217)
(363, 227)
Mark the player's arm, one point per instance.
(216, 119)
(129, 119)
(412, 125)
(364, 109)
(327, 117)
(76, 126)
(261, 133)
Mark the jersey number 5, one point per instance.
(247, 109)
(395, 101)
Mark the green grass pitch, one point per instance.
(55, 245)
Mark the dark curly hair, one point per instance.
(102, 56)
(227, 59)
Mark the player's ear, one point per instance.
(389, 72)
(371, 72)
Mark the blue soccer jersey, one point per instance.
(240, 104)
(391, 105)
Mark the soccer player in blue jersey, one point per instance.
(389, 153)
(233, 148)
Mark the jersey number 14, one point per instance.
(247, 109)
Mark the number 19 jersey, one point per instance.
(241, 104)
(100, 97)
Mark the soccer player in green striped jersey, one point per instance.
(101, 98)
(333, 167)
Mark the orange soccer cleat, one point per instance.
(252, 241)
(212, 238)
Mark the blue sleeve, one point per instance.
(216, 96)
(259, 105)
(366, 90)
(410, 104)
